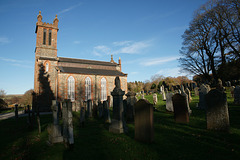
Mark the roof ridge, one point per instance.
(87, 60)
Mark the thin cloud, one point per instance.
(134, 73)
(76, 42)
(134, 48)
(13, 60)
(170, 72)
(16, 62)
(122, 47)
(101, 50)
(121, 43)
(69, 9)
(4, 40)
(157, 61)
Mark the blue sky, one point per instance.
(146, 34)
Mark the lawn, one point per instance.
(172, 141)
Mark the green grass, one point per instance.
(172, 141)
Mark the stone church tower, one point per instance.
(68, 78)
(46, 59)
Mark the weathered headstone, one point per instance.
(237, 95)
(196, 91)
(144, 131)
(117, 120)
(203, 90)
(131, 100)
(217, 111)
(180, 107)
(67, 123)
(82, 116)
(186, 96)
(143, 96)
(106, 112)
(54, 130)
(232, 90)
(169, 104)
(219, 85)
(163, 95)
(16, 111)
(188, 92)
(100, 109)
(155, 100)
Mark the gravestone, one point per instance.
(78, 106)
(117, 120)
(89, 108)
(169, 104)
(100, 109)
(219, 85)
(163, 95)
(180, 107)
(131, 100)
(155, 100)
(109, 101)
(67, 123)
(237, 95)
(186, 96)
(54, 130)
(144, 131)
(29, 115)
(16, 111)
(143, 96)
(232, 90)
(82, 116)
(203, 90)
(217, 111)
(106, 112)
(196, 91)
(95, 110)
(188, 92)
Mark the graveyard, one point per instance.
(171, 140)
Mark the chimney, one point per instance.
(119, 63)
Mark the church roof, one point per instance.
(91, 71)
(84, 61)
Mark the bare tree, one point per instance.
(2, 93)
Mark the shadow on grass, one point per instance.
(172, 140)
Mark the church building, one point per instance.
(68, 78)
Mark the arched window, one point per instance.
(44, 36)
(103, 89)
(71, 88)
(87, 88)
(47, 67)
(49, 37)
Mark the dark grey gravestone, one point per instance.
(16, 111)
(203, 90)
(82, 116)
(106, 114)
(237, 95)
(131, 100)
(67, 123)
(169, 104)
(180, 107)
(54, 130)
(89, 108)
(217, 116)
(117, 120)
(100, 109)
(144, 131)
